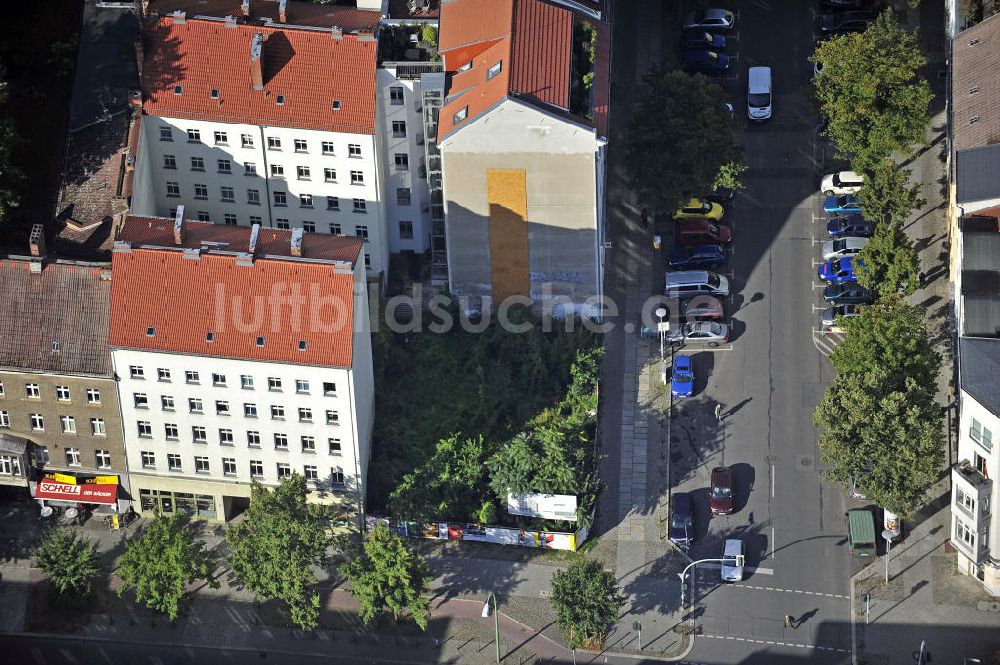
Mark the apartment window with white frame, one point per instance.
(228, 194)
(166, 402)
(277, 171)
(171, 432)
(337, 477)
(144, 428)
(301, 145)
(103, 459)
(4, 419)
(218, 380)
(221, 408)
(228, 466)
(249, 168)
(335, 446)
(332, 418)
(328, 148)
(274, 384)
(368, 261)
(396, 95)
(204, 216)
(253, 197)
(250, 410)
(200, 191)
(301, 386)
(173, 188)
(335, 229)
(981, 435)
(329, 389)
(199, 434)
(191, 377)
(195, 405)
(303, 173)
(360, 205)
(280, 198)
(201, 465)
(308, 227)
(93, 396)
(461, 115)
(225, 437)
(72, 457)
(965, 500)
(273, 143)
(97, 427)
(277, 412)
(221, 138)
(230, 219)
(308, 444)
(306, 200)
(256, 469)
(197, 164)
(169, 162)
(361, 230)
(305, 414)
(399, 129)
(402, 161)
(353, 150)
(194, 136)
(357, 178)
(68, 424)
(333, 203)
(280, 441)
(403, 196)
(136, 372)
(173, 462)
(329, 175)
(162, 374)
(166, 133)
(964, 533)
(310, 472)
(140, 400)
(494, 71)
(405, 230)
(253, 439)
(246, 140)
(282, 223)
(284, 470)
(62, 393)
(225, 166)
(148, 459)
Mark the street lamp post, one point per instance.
(888, 535)
(496, 619)
(683, 575)
(661, 312)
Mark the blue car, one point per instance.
(850, 226)
(706, 62)
(845, 204)
(839, 271)
(681, 519)
(699, 256)
(682, 378)
(700, 40)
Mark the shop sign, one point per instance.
(86, 493)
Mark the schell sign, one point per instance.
(86, 493)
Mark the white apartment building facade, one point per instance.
(217, 393)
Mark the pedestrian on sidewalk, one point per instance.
(789, 620)
(718, 412)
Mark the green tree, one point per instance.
(890, 264)
(429, 34)
(679, 138)
(587, 600)
(386, 576)
(70, 561)
(871, 92)
(273, 550)
(730, 176)
(449, 484)
(161, 560)
(887, 194)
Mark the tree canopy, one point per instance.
(679, 138)
(275, 546)
(890, 264)
(587, 600)
(69, 560)
(386, 576)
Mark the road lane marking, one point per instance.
(772, 481)
(757, 587)
(775, 643)
(749, 569)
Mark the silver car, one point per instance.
(732, 560)
(842, 247)
(828, 319)
(710, 19)
(700, 332)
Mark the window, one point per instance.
(302, 386)
(167, 402)
(361, 230)
(199, 434)
(194, 405)
(253, 197)
(281, 442)
(403, 196)
(310, 472)
(306, 200)
(200, 191)
(62, 393)
(178, 90)
(253, 439)
(204, 216)
(225, 437)
(218, 379)
(328, 148)
(357, 178)
(332, 418)
(246, 382)
(303, 345)
(225, 166)
(273, 143)
(221, 138)
(308, 444)
(250, 410)
(329, 388)
(405, 230)
(173, 461)
(68, 424)
(169, 162)
(144, 428)
(396, 95)
(308, 227)
(10, 465)
(162, 374)
(72, 457)
(148, 460)
(228, 194)
(329, 175)
(194, 136)
(965, 500)
(277, 171)
(166, 133)
(280, 198)
(136, 372)
(4, 419)
(254, 219)
(399, 129)
(1, 387)
(246, 140)
(466, 67)
(353, 150)
(93, 396)
(305, 415)
(303, 173)
(284, 470)
(173, 188)
(368, 260)
(494, 71)
(228, 466)
(273, 383)
(964, 533)
(335, 229)
(280, 100)
(333, 203)
(277, 412)
(201, 465)
(191, 377)
(140, 400)
(402, 161)
(197, 164)
(282, 223)
(301, 145)
(335, 448)
(359, 205)
(221, 407)
(256, 468)
(460, 116)
(97, 427)
(230, 219)
(249, 168)
(337, 476)
(103, 459)
(980, 463)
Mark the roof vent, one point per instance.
(150, 331)
(280, 100)
(210, 336)
(303, 345)
(244, 259)
(254, 232)
(296, 242)
(973, 42)
(337, 32)
(256, 73)
(974, 89)
(974, 119)
(178, 90)
(215, 93)
(230, 21)
(336, 105)
(192, 253)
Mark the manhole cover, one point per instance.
(804, 462)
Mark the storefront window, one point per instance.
(185, 503)
(192, 505)
(147, 501)
(206, 506)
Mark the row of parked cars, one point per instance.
(721, 501)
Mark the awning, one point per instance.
(83, 493)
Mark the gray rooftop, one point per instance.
(980, 370)
(980, 276)
(56, 320)
(977, 172)
(105, 67)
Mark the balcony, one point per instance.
(970, 507)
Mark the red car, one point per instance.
(703, 232)
(721, 500)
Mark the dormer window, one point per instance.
(55, 347)
(281, 100)
(178, 90)
(210, 337)
(260, 341)
(460, 116)
(303, 345)
(336, 105)
(215, 93)
(494, 71)
(466, 67)
(150, 332)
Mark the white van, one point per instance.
(759, 93)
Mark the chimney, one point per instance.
(256, 73)
(179, 226)
(296, 243)
(36, 241)
(254, 232)
(282, 13)
(337, 32)
(245, 6)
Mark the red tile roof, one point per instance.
(182, 299)
(465, 22)
(351, 19)
(542, 47)
(309, 68)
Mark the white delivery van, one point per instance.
(759, 93)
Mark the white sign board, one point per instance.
(546, 506)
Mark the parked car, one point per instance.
(721, 499)
(710, 19)
(854, 226)
(845, 204)
(841, 247)
(701, 307)
(699, 209)
(690, 283)
(839, 271)
(848, 293)
(681, 529)
(711, 333)
(703, 232)
(829, 318)
(841, 182)
(732, 560)
(698, 256)
(705, 62)
(844, 22)
(759, 93)
(682, 376)
(700, 40)
(722, 195)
